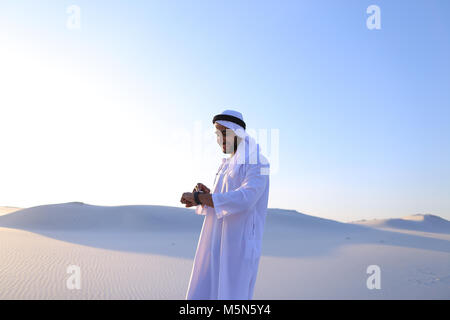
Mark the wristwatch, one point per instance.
(197, 200)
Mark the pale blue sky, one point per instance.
(103, 114)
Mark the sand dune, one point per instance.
(417, 222)
(146, 252)
(6, 210)
(74, 216)
(141, 218)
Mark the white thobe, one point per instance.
(229, 247)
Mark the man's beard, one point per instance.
(235, 145)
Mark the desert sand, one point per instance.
(146, 252)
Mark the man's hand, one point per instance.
(201, 187)
(188, 199)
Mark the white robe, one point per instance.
(229, 248)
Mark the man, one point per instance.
(229, 248)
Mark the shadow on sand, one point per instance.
(174, 231)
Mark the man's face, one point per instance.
(225, 138)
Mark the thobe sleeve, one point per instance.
(244, 197)
(201, 209)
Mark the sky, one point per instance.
(112, 104)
